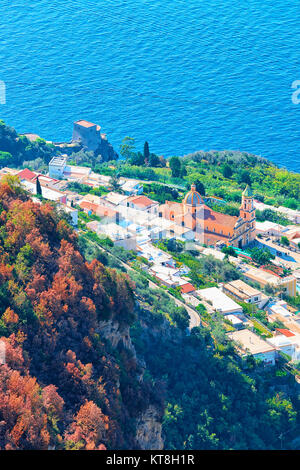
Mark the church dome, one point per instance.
(193, 198)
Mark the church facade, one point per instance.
(210, 226)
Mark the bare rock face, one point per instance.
(111, 330)
(148, 425)
(106, 150)
(149, 429)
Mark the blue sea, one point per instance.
(184, 75)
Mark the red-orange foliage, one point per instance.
(58, 369)
(89, 428)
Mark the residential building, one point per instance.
(187, 288)
(143, 203)
(250, 343)
(219, 301)
(245, 293)
(114, 200)
(77, 173)
(285, 285)
(132, 187)
(119, 235)
(236, 322)
(48, 185)
(57, 166)
(279, 308)
(268, 228)
(73, 213)
(283, 344)
(291, 214)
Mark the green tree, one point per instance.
(285, 241)
(227, 171)
(154, 160)
(175, 165)
(200, 187)
(5, 158)
(146, 153)
(244, 177)
(127, 147)
(38, 187)
(261, 256)
(228, 250)
(114, 182)
(137, 159)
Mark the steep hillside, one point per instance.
(214, 399)
(71, 378)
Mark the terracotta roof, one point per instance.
(106, 211)
(285, 332)
(186, 288)
(141, 201)
(218, 217)
(88, 205)
(26, 174)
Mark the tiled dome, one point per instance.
(193, 198)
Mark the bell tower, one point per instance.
(247, 210)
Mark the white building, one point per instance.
(279, 308)
(245, 293)
(250, 343)
(291, 214)
(235, 321)
(114, 200)
(284, 344)
(73, 213)
(119, 235)
(131, 187)
(77, 173)
(270, 228)
(143, 203)
(57, 166)
(219, 301)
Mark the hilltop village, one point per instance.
(166, 240)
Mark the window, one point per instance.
(182, 223)
(160, 214)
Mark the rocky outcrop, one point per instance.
(149, 424)
(106, 151)
(112, 331)
(149, 430)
